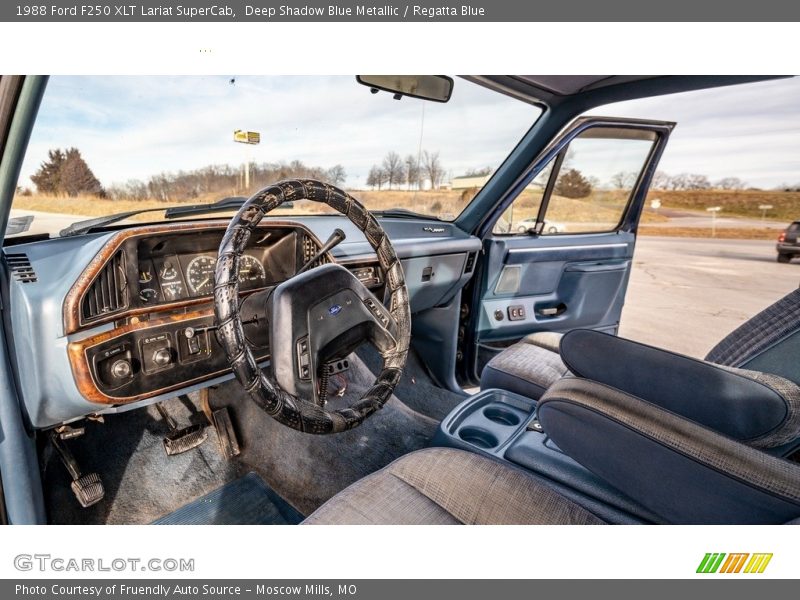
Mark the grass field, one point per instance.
(743, 203)
(726, 233)
(601, 208)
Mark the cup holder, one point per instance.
(478, 437)
(501, 415)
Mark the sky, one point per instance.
(134, 127)
(749, 131)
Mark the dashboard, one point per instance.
(155, 285)
(115, 319)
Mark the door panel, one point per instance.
(560, 286)
(559, 248)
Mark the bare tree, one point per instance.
(412, 171)
(696, 181)
(477, 172)
(337, 175)
(377, 177)
(730, 183)
(661, 181)
(624, 179)
(393, 167)
(433, 169)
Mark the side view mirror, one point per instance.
(437, 88)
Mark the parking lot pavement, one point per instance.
(687, 294)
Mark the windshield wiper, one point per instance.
(403, 213)
(170, 212)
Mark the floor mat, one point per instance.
(143, 484)
(306, 469)
(416, 389)
(246, 501)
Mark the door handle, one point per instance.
(551, 311)
(597, 267)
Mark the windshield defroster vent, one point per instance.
(108, 292)
(21, 268)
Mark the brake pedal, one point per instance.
(88, 489)
(178, 441)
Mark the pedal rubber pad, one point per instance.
(88, 489)
(182, 440)
(228, 442)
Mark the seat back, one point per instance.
(769, 342)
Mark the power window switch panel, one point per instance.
(516, 312)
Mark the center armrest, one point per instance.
(760, 409)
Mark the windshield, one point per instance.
(104, 145)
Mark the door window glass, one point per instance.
(586, 188)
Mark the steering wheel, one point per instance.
(316, 318)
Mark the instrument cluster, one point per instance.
(176, 277)
(182, 267)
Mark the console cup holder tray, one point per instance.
(486, 421)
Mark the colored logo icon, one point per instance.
(740, 562)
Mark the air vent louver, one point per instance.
(310, 248)
(108, 292)
(21, 268)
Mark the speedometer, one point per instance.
(200, 275)
(251, 272)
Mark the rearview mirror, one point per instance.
(427, 87)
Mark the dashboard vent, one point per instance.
(108, 292)
(310, 248)
(21, 268)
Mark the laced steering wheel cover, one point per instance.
(281, 405)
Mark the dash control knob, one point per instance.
(121, 369)
(162, 357)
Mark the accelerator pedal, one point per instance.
(178, 441)
(221, 420)
(88, 489)
(228, 442)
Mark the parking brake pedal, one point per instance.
(178, 441)
(88, 489)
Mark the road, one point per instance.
(46, 222)
(687, 294)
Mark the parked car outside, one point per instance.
(788, 245)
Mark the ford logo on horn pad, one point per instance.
(335, 309)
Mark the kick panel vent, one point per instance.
(21, 268)
(108, 292)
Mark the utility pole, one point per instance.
(714, 210)
(251, 138)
